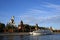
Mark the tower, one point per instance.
(12, 21)
(36, 28)
(51, 28)
(11, 24)
(22, 26)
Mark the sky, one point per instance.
(45, 13)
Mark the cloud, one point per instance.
(35, 11)
(55, 7)
(52, 19)
(36, 16)
(33, 16)
(41, 19)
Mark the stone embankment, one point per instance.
(21, 33)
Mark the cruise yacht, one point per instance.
(42, 32)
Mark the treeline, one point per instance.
(11, 28)
(2, 27)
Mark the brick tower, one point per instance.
(36, 27)
(21, 26)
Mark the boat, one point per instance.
(42, 32)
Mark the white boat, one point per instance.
(42, 32)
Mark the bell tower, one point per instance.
(12, 21)
(36, 27)
(22, 26)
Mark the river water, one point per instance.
(31, 37)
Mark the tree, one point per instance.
(27, 27)
(10, 27)
(2, 27)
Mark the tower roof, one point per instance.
(21, 21)
(12, 17)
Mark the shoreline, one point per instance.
(20, 33)
(56, 32)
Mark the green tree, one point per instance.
(8, 26)
(27, 27)
(2, 27)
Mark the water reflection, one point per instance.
(10, 37)
(29, 37)
(1, 38)
(21, 37)
(24, 37)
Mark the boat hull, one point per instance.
(39, 33)
(42, 32)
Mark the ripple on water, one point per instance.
(30, 37)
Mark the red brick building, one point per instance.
(21, 26)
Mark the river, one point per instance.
(31, 37)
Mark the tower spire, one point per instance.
(12, 21)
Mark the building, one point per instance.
(11, 25)
(21, 27)
(11, 22)
(36, 27)
(51, 28)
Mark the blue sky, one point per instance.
(45, 13)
